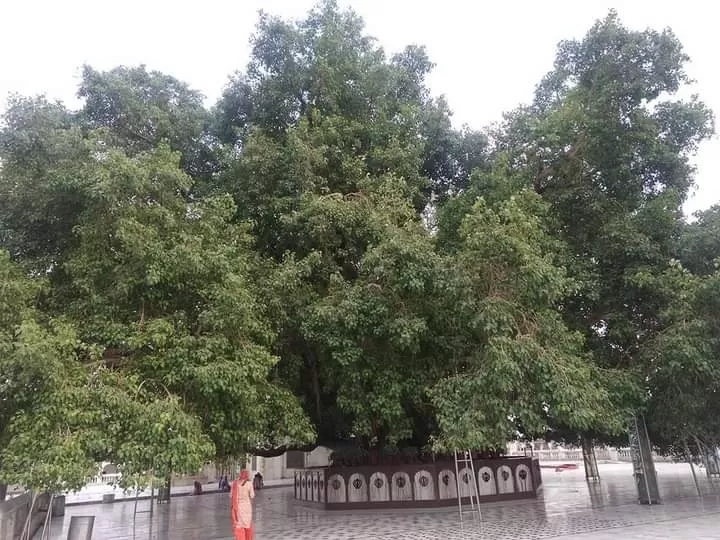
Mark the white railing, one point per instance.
(575, 455)
(553, 455)
(104, 479)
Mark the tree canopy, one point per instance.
(323, 256)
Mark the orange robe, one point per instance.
(242, 494)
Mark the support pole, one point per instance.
(25, 535)
(152, 491)
(592, 474)
(709, 456)
(457, 486)
(713, 463)
(643, 467)
(45, 535)
(688, 456)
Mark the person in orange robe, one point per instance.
(242, 494)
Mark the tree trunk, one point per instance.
(316, 390)
(168, 485)
(311, 365)
(3, 492)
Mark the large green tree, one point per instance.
(141, 109)
(63, 410)
(323, 256)
(43, 152)
(164, 285)
(683, 394)
(317, 128)
(513, 366)
(699, 243)
(155, 284)
(607, 145)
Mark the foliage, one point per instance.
(43, 154)
(323, 257)
(606, 144)
(62, 411)
(699, 243)
(142, 109)
(684, 382)
(515, 366)
(165, 282)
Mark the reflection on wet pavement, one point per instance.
(568, 508)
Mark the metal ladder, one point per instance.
(474, 494)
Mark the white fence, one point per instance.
(575, 455)
(104, 479)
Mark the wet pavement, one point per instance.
(567, 508)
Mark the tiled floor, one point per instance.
(568, 508)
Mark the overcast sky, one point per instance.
(489, 55)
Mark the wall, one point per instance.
(320, 457)
(276, 468)
(13, 514)
(273, 469)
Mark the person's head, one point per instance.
(244, 475)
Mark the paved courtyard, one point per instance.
(568, 508)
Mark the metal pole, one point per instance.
(457, 487)
(692, 468)
(152, 490)
(467, 456)
(137, 489)
(589, 459)
(652, 462)
(641, 451)
(475, 480)
(25, 535)
(45, 535)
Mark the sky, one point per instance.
(489, 55)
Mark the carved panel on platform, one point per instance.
(357, 488)
(465, 480)
(417, 485)
(446, 484)
(424, 486)
(317, 482)
(401, 487)
(505, 481)
(379, 487)
(523, 477)
(486, 482)
(336, 489)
